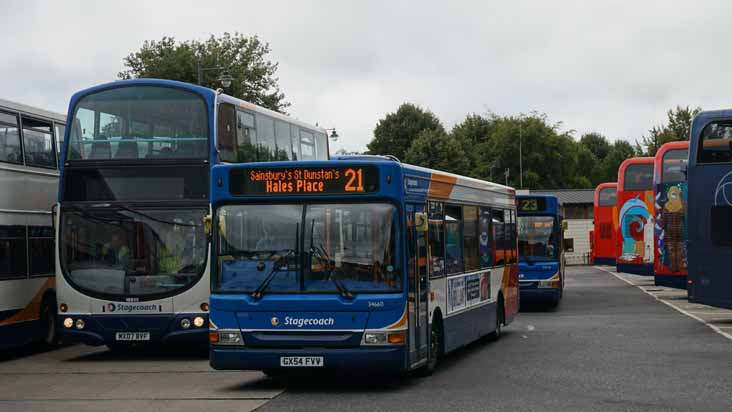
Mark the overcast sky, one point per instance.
(611, 67)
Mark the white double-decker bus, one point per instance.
(133, 259)
(29, 142)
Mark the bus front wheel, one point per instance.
(48, 322)
(435, 348)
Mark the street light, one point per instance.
(333, 134)
(225, 78)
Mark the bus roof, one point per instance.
(208, 94)
(24, 108)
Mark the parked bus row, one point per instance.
(669, 216)
(186, 216)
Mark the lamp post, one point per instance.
(225, 78)
(521, 152)
(333, 134)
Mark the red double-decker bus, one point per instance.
(670, 234)
(606, 224)
(634, 242)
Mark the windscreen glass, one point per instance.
(537, 239)
(608, 197)
(639, 177)
(674, 166)
(132, 252)
(140, 122)
(309, 248)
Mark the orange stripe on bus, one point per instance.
(441, 186)
(32, 311)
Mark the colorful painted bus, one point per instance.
(670, 233)
(604, 236)
(356, 264)
(133, 255)
(29, 142)
(541, 254)
(634, 237)
(710, 209)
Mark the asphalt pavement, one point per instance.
(609, 346)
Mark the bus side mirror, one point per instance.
(207, 224)
(420, 221)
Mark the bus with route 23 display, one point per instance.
(541, 255)
(356, 263)
(132, 252)
(29, 143)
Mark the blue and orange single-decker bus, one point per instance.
(634, 241)
(541, 258)
(358, 264)
(606, 224)
(670, 191)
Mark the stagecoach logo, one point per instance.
(126, 307)
(275, 321)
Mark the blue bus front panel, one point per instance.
(540, 280)
(317, 325)
(162, 329)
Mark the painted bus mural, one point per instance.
(670, 232)
(635, 216)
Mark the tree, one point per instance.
(595, 143)
(619, 151)
(244, 58)
(435, 149)
(395, 133)
(472, 132)
(678, 128)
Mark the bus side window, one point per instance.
(436, 239)
(512, 237)
(321, 146)
(499, 234)
(453, 239)
(10, 139)
(227, 132)
(295, 137)
(38, 143)
(470, 238)
(246, 137)
(13, 257)
(282, 140)
(485, 239)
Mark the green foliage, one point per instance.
(678, 128)
(245, 59)
(436, 149)
(485, 146)
(395, 133)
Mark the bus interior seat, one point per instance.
(127, 149)
(100, 148)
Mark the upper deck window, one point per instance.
(673, 166)
(639, 177)
(715, 143)
(10, 139)
(139, 123)
(608, 197)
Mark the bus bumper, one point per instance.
(162, 329)
(531, 292)
(636, 269)
(604, 261)
(385, 359)
(672, 281)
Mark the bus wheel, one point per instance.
(500, 314)
(435, 349)
(48, 322)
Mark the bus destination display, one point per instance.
(304, 180)
(531, 204)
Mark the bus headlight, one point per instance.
(198, 321)
(80, 324)
(374, 338)
(68, 323)
(230, 337)
(185, 323)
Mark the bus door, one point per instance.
(418, 286)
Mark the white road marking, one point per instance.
(685, 312)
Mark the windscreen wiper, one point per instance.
(259, 292)
(331, 276)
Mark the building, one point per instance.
(577, 208)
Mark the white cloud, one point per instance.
(614, 67)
